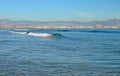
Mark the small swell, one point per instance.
(5, 40)
(102, 31)
(57, 34)
(91, 31)
(64, 30)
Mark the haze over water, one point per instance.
(59, 52)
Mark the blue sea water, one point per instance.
(59, 52)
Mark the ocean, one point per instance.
(60, 52)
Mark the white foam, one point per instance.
(40, 34)
(21, 29)
(18, 32)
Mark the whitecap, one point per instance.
(21, 29)
(18, 32)
(40, 34)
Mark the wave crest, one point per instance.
(37, 34)
(18, 32)
(57, 34)
(40, 34)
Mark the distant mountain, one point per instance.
(115, 22)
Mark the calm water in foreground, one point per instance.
(59, 52)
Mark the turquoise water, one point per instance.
(59, 52)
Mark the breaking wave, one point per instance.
(44, 34)
(18, 32)
(40, 34)
(21, 29)
(37, 34)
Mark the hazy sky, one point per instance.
(60, 10)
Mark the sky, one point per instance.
(60, 10)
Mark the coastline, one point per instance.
(57, 26)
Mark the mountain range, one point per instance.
(115, 22)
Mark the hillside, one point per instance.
(8, 22)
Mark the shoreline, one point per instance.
(57, 26)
